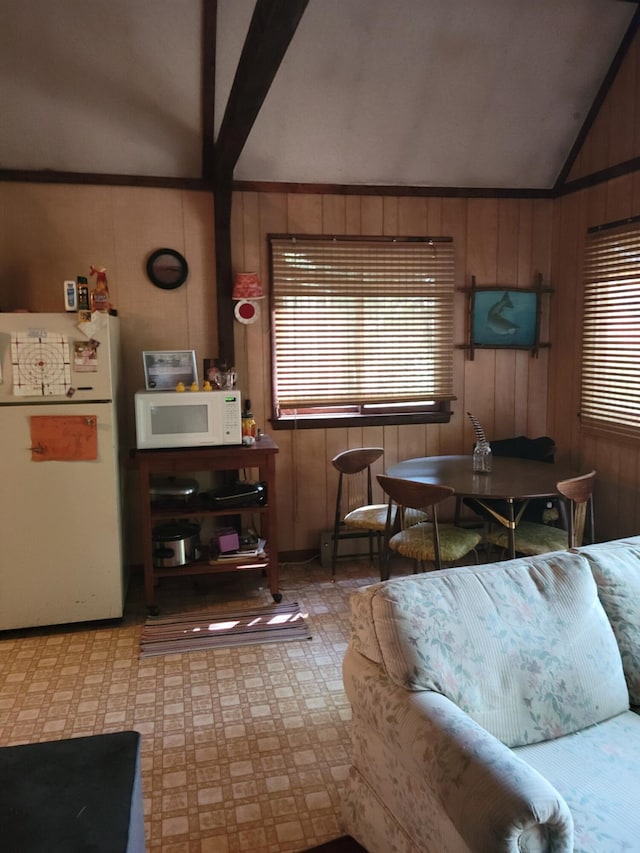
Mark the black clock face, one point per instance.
(167, 269)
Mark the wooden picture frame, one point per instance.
(163, 369)
(504, 318)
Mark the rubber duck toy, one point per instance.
(207, 386)
(180, 386)
(194, 387)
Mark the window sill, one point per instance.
(334, 421)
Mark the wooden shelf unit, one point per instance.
(173, 462)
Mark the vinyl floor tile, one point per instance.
(243, 749)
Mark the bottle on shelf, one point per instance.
(99, 296)
(248, 423)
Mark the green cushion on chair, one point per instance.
(374, 517)
(417, 542)
(531, 539)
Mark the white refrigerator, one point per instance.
(61, 545)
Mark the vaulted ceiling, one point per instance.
(414, 93)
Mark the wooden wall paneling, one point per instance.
(371, 215)
(607, 464)
(565, 422)
(412, 217)
(628, 494)
(240, 345)
(481, 261)
(454, 221)
(636, 118)
(434, 432)
(310, 468)
(353, 215)
(619, 198)
(336, 440)
(254, 333)
(304, 213)
(538, 368)
(505, 391)
(390, 216)
(151, 318)
(200, 287)
(334, 214)
(273, 220)
(622, 96)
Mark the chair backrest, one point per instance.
(578, 491)
(355, 461)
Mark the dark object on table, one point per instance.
(72, 796)
(239, 494)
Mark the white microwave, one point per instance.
(187, 418)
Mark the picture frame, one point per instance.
(504, 318)
(164, 369)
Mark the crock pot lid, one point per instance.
(171, 531)
(172, 487)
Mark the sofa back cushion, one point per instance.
(616, 569)
(524, 647)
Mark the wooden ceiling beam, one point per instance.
(272, 27)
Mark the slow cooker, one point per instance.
(172, 490)
(174, 543)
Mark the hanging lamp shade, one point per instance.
(247, 285)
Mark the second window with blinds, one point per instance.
(362, 330)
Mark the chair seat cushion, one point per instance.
(417, 542)
(374, 517)
(531, 539)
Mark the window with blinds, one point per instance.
(611, 329)
(362, 326)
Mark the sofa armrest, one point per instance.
(496, 801)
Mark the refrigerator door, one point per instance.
(61, 543)
(48, 358)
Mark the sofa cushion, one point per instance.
(616, 569)
(596, 772)
(524, 646)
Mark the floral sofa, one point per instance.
(491, 707)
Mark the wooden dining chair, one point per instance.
(355, 514)
(426, 542)
(577, 507)
(355, 492)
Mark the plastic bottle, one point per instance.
(100, 293)
(482, 457)
(70, 296)
(82, 288)
(248, 423)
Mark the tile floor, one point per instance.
(243, 749)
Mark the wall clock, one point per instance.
(167, 269)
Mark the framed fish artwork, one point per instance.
(504, 318)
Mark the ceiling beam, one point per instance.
(272, 27)
(598, 101)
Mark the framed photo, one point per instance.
(504, 318)
(164, 369)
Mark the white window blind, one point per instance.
(611, 331)
(361, 321)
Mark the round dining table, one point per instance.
(514, 481)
